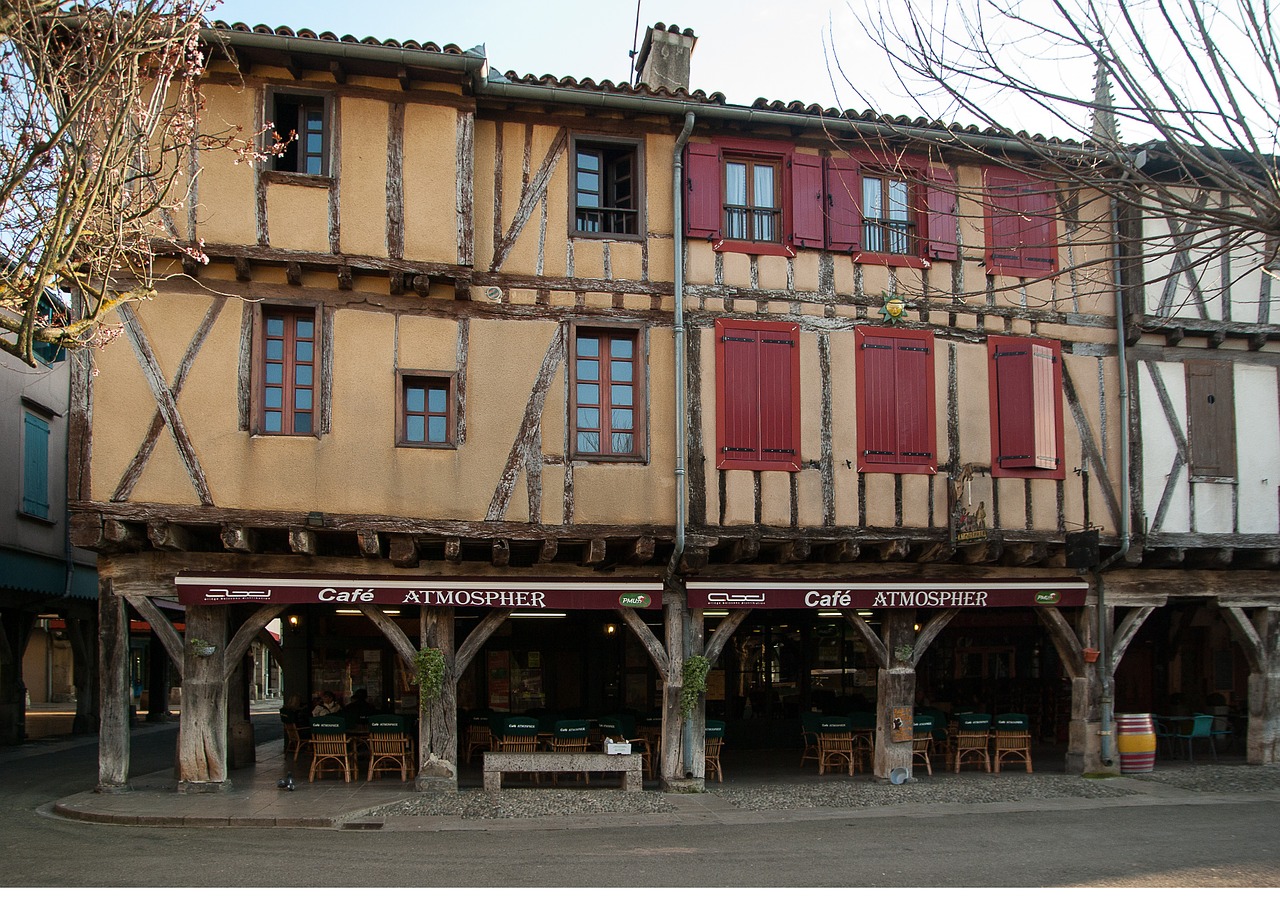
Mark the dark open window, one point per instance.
(606, 188)
(1211, 420)
(757, 395)
(896, 430)
(287, 372)
(1021, 224)
(1026, 407)
(306, 118)
(607, 404)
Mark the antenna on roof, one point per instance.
(635, 37)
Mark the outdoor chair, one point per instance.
(295, 737)
(650, 736)
(1198, 727)
(331, 748)
(516, 733)
(864, 737)
(1011, 738)
(836, 745)
(972, 735)
(809, 733)
(714, 742)
(922, 741)
(390, 747)
(479, 736)
(569, 736)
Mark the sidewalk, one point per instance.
(774, 795)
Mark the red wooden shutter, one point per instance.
(1002, 222)
(1026, 404)
(806, 201)
(1039, 228)
(876, 402)
(739, 407)
(703, 210)
(912, 381)
(779, 417)
(844, 216)
(941, 206)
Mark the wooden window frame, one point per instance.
(781, 209)
(866, 462)
(998, 470)
(274, 167)
(1219, 383)
(725, 327)
(445, 379)
(911, 256)
(636, 149)
(258, 382)
(727, 149)
(640, 390)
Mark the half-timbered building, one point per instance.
(1203, 364)
(573, 381)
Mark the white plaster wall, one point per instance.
(1243, 262)
(1214, 507)
(1159, 447)
(1258, 448)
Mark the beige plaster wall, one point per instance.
(431, 183)
(364, 127)
(229, 109)
(298, 217)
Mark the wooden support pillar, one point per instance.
(15, 634)
(438, 719)
(695, 729)
(670, 766)
(158, 680)
(895, 690)
(202, 730)
(113, 686)
(1259, 638)
(82, 633)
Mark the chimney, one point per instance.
(663, 61)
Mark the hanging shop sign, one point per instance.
(884, 594)
(533, 595)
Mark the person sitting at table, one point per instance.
(328, 704)
(359, 709)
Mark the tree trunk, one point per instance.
(202, 733)
(113, 683)
(438, 719)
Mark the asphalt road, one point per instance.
(1220, 844)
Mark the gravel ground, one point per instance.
(834, 793)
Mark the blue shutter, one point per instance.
(35, 466)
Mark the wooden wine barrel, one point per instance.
(1136, 739)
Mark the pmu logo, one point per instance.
(1048, 597)
(635, 600)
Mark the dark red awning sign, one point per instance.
(884, 594)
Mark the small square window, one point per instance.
(426, 411)
(606, 189)
(301, 121)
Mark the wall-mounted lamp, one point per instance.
(293, 622)
(610, 630)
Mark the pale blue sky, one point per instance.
(746, 48)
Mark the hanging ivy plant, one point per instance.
(695, 684)
(429, 663)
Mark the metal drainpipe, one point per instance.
(1107, 732)
(681, 395)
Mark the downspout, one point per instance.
(1107, 732)
(681, 396)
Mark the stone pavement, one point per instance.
(255, 800)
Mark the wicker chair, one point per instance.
(331, 748)
(570, 736)
(971, 742)
(922, 741)
(864, 737)
(714, 742)
(1011, 738)
(479, 736)
(296, 738)
(390, 747)
(809, 733)
(836, 745)
(516, 733)
(649, 734)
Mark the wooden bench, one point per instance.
(497, 763)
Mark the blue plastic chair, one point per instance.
(1201, 727)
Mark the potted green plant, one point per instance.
(200, 647)
(429, 672)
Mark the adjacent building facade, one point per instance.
(574, 381)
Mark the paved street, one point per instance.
(1178, 838)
